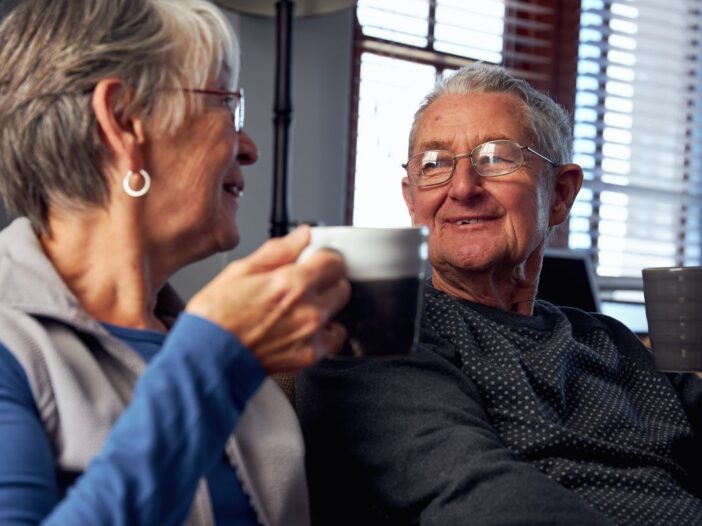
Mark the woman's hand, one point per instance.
(279, 309)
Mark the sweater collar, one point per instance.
(30, 283)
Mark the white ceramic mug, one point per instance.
(386, 269)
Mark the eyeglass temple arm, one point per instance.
(530, 149)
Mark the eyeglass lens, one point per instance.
(234, 101)
(236, 106)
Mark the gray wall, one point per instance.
(321, 86)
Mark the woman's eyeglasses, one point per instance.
(234, 100)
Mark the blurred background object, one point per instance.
(284, 10)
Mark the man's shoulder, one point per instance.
(430, 355)
(357, 386)
(582, 322)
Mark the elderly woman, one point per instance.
(121, 147)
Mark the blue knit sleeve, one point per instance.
(185, 406)
(28, 487)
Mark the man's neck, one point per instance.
(511, 290)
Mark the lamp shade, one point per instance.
(302, 7)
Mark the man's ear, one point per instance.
(122, 134)
(566, 185)
(409, 197)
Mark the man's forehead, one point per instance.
(444, 143)
(479, 99)
(473, 119)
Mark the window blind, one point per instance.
(637, 135)
(465, 29)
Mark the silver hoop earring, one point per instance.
(136, 193)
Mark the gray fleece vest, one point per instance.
(82, 379)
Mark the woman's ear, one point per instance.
(567, 182)
(122, 134)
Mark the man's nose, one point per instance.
(465, 182)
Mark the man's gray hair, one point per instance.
(53, 53)
(549, 122)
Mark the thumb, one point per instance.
(280, 251)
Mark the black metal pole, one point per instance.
(282, 118)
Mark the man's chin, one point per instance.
(462, 259)
(461, 267)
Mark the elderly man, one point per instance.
(511, 411)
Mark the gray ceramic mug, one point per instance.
(385, 267)
(674, 311)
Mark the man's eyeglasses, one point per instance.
(490, 159)
(234, 101)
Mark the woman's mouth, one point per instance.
(234, 188)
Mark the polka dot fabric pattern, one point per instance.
(577, 396)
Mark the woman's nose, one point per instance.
(248, 151)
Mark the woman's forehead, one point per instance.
(219, 77)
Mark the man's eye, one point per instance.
(434, 163)
(484, 160)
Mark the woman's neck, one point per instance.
(103, 262)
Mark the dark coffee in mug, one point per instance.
(385, 267)
(382, 317)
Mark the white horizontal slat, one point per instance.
(668, 13)
(490, 18)
(648, 97)
(529, 7)
(664, 86)
(494, 8)
(660, 194)
(655, 68)
(404, 22)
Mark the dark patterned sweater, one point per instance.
(499, 418)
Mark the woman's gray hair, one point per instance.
(53, 53)
(549, 122)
